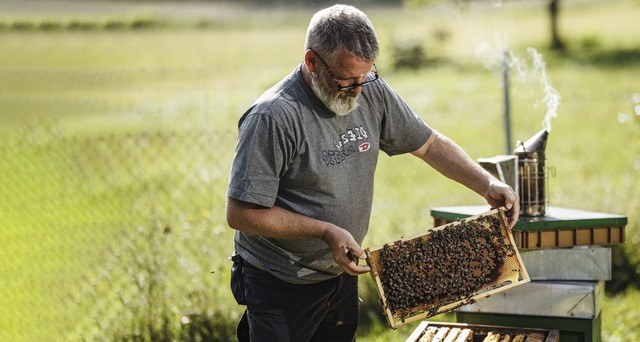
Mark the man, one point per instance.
(301, 184)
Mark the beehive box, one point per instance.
(446, 267)
(563, 299)
(460, 332)
(581, 263)
(561, 227)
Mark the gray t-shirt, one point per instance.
(294, 153)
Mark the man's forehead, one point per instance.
(350, 66)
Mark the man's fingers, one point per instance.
(354, 254)
(354, 269)
(514, 213)
(356, 251)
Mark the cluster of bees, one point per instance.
(444, 266)
(497, 337)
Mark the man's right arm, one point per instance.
(276, 222)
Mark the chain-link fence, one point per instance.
(114, 236)
(123, 236)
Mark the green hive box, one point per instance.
(573, 308)
(571, 329)
(567, 290)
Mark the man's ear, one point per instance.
(310, 61)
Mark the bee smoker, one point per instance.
(532, 175)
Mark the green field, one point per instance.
(115, 148)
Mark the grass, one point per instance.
(116, 147)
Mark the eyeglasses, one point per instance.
(351, 86)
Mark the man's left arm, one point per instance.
(446, 157)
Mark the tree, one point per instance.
(556, 42)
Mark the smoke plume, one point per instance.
(551, 97)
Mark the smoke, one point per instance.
(551, 97)
(536, 69)
(492, 49)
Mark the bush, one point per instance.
(23, 25)
(409, 56)
(82, 25)
(50, 25)
(115, 24)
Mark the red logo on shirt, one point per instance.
(364, 147)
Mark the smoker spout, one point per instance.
(536, 143)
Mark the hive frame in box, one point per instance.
(549, 335)
(510, 274)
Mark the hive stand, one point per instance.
(566, 255)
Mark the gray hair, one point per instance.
(342, 27)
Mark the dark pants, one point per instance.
(281, 311)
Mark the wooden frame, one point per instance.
(477, 329)
(511, 272)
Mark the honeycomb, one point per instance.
(445, 267)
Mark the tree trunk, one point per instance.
(556, 42)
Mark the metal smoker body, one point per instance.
(532, 175)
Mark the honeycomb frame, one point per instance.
(401, 280)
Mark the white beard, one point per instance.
(342, 104)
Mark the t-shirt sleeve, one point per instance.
(402, 130)
(259, 161)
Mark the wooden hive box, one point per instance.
(461, 332)
(446, 267)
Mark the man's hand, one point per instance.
(500, 194)
(345, 250)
